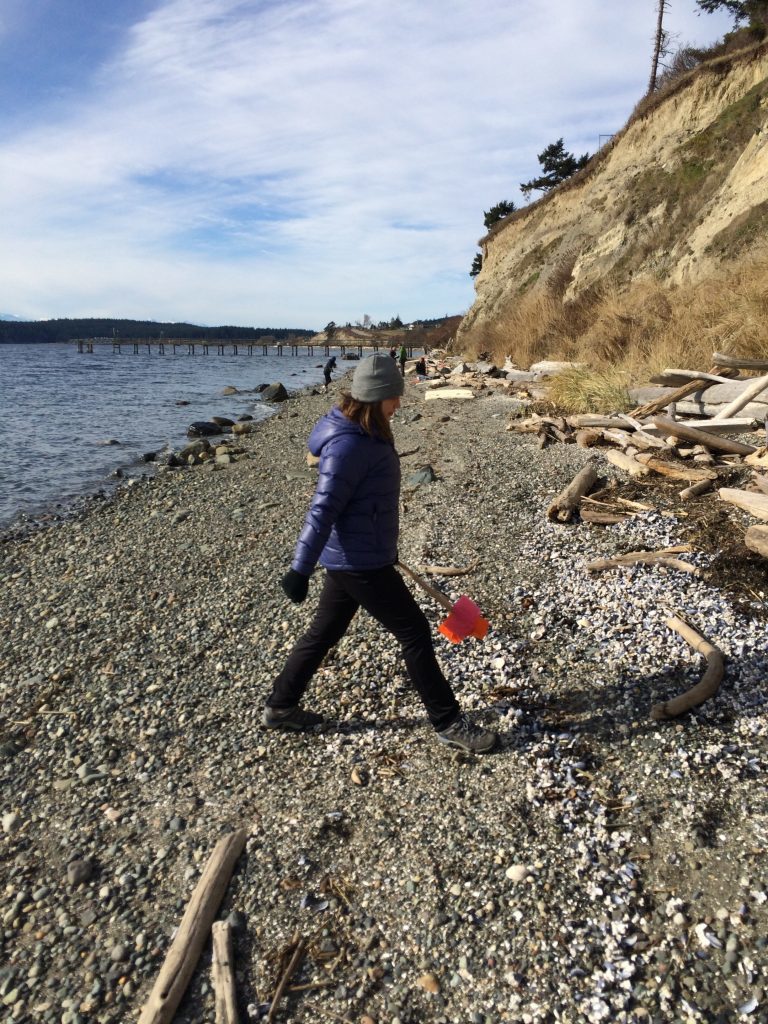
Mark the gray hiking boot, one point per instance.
(290, 718)
(467, 736)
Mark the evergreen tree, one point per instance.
(330, 330)
(755, 12)
(498, 212)
(557, 165)
(477, 264)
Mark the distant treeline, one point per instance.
(18, 331)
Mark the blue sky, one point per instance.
(290, 162)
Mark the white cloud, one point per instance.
(302, 160)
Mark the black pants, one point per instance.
(384, 595)
(327, 376)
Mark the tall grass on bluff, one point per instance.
(638, 330)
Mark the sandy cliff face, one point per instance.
(681, 189)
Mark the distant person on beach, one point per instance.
(393, 353)
(402, 355)
(329, 366)
(351, 529)
(421, 367)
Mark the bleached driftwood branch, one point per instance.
(709, 683)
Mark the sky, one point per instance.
(285, 163)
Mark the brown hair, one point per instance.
(369, 415)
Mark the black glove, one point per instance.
(295, 585)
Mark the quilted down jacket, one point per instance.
(353, 521)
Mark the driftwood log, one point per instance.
(760, 482)
(678, 378)
(739, 362)
(672, 428)
(752, 389)
(755, 504)
(181, 959)
(759, 459)
(711, 427)
(709, 683)
(627, 462)
(597, 518)
(756, 539)
(701, 487)
(698, 384)
(566, 504)
(675, 470)
(222, 974)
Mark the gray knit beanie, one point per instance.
(377, 377)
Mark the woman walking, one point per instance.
(351, 529)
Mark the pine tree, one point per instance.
(477, 264)
(557, 164)
(498, 212)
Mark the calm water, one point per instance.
(59, 407)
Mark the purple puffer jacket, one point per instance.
(353, 521)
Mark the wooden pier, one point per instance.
(235, 348)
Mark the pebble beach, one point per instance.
(597, 866)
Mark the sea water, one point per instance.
(74, 423)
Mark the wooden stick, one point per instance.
(709, 683)
(293, 963)
(181, 959)
(631, 557)
(718, 444)
(755, 504)
(756, 539)
(750, 391)
(222, 974)
(564, 506)
(701, 487)
(448, 570)
(432, 591)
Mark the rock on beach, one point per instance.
(597, 867)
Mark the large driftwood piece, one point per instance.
(665, 556)
(627, 462)
(756, 539)
(675, 470)
(709, 683)
(223, 975)
(564, 506)
(739, 362)
(755, 504)
(589, 419)
(182, 957)
(673, 428)
(760, 482)
(758, 459)
(699, 384)
(754, 388)
(711, 427)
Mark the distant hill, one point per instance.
(8, 316)
(23, 331)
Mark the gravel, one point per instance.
(597, 867)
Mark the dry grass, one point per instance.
(582, 389)
(640, 329)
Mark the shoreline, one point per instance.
(599, 866)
